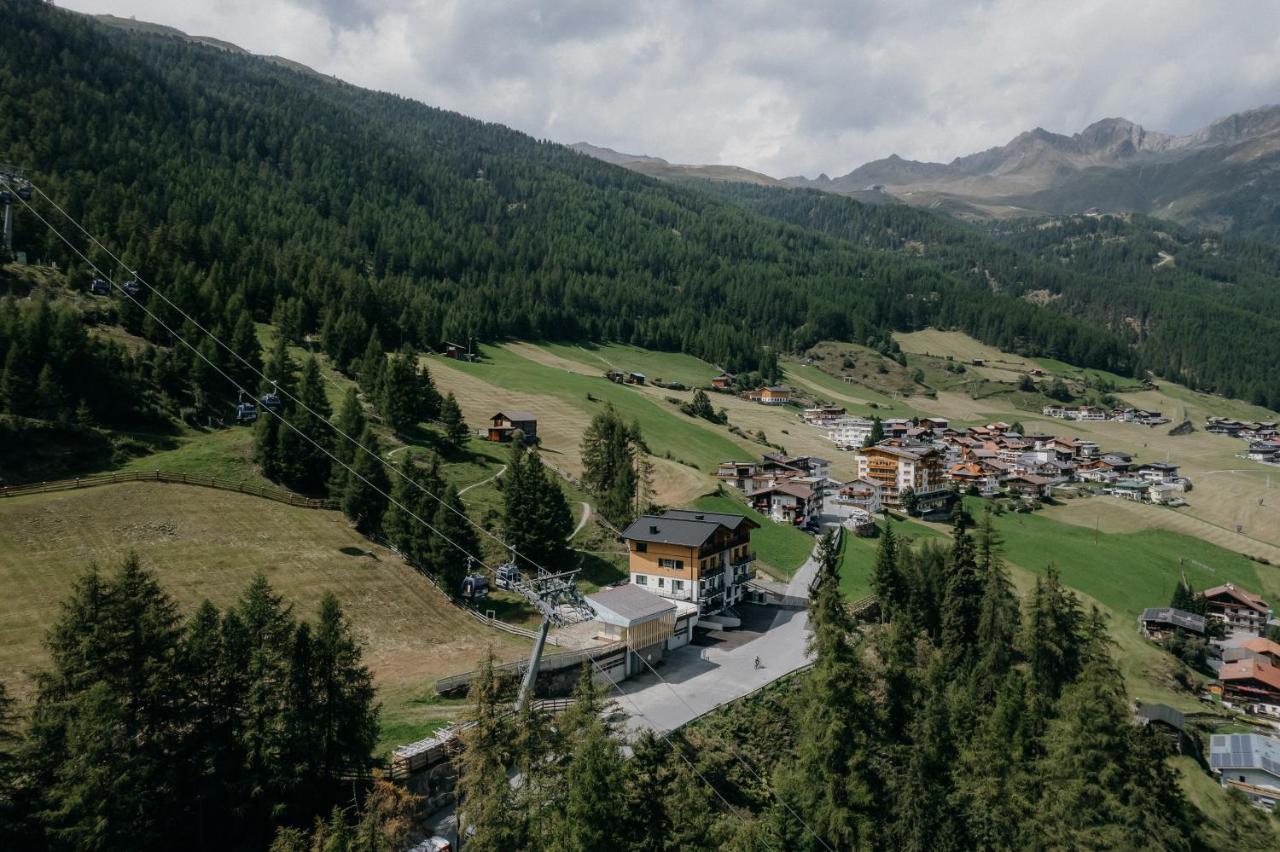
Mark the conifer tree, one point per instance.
(12, 815)
(886, 581)
(485, 812)
(456, 431)
(998, 613)
(409, 510)
(962, 597)
(244, 342)
(536, 516)
(609, 453)
(453, 542)
(371, 366)
(343, 712)
(1051, 637)
(50, 399)
(350, 421)
(365, 501)
(830, 782)
(876, 435)
(303, 454)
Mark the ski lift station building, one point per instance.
(650, 625)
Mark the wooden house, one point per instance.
(504, 424)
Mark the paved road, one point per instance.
(706, 677)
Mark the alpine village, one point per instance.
(377, 478)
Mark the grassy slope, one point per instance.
(858, 556)
(781, 548)
(208, 544)
(666, 433)
(665, 366)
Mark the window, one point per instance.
(677, 585)
(642, 546)
(641, 580)
(672, 564)
(661, 582)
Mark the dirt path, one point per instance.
(501, 471)
(586, 516)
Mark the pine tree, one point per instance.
(211, 751)
(244, 342)
(350, 422)
(372, 365)
(998, 618)
(454, 542)
(1051, 637)
(886, 582)
(456, 431)
(962, 598)
(304, 447)
(485, 812)
(365, 501)
(830, 782)
(593, 795)
(536, 516)
(876, 435)
(343, 712)
(609, 453)
(13, 814)
(50, 400)
(401, 393)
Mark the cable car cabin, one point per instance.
(6, 197)
(506, 576)
(132, 288)
(246, 412)
(271, 401)
(475, 587)
(99, 287)
(24, 192)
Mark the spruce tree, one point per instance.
(886, 582)
(453, 542)
(830, 782)
(350, 421)
(343, 711)
(371, 366)
(609, 453)
(244, 342)
(998, 614)
(304, 446)
(456, 431)
(364, 502)
(962, 598)
(536, 517)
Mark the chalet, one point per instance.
(1091, 412)
(753, 395)
(1250, 679)
(635, 378)
(895, 428)
(1249, 763)
(1242, 610)
(1156, 472)
(1159, 623)
(724, 381)
(935, 424)
(978, 362)
(897, 469)
(1166, 494)
(1054, 411)
(1264, 452)
(505, 424)
(738, 474)
(1028, 485)
(789, 502)
(701, 557)
(822, 415)
(1222, 426)
(974, 475)
(862, 495)
(1254, 648)
(775, 395)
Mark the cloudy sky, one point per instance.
(782, 87)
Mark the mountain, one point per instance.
(660, 168)
(1225, 176)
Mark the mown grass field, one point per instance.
(665, 366)
(209, 544)
(858, 555)
(782, 549)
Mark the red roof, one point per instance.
(1262, 646)
(1247, 598)
(1251, 669)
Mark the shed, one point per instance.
(505, 423)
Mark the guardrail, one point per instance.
(516, 668)
(277, 494)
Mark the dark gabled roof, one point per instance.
(1161, 713)
(1176, 617)
(727, 519)
(515, 416)
(683, 527)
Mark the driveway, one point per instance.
(698, 678)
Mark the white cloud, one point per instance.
(796, 88)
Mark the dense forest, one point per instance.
(1181, 298)
(240, 186)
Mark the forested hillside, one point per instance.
(237, 184)
(1182, 298)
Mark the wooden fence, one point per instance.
(277, 494)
